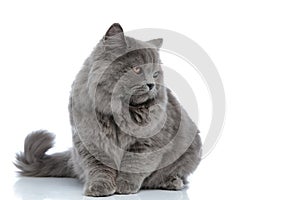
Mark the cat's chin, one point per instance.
(141, 100)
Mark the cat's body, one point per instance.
(129, 131)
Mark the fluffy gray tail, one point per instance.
(34, 162)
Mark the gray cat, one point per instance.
(129, 131)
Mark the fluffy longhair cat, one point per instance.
(129, 131)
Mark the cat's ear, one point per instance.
(114, 30)
(115, 35)
(156, 42)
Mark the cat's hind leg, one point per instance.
(174, 183)
(174, 176)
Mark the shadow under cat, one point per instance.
(31, 188)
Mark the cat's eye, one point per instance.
(137, 69)
(155, 75)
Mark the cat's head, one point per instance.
(125, 69)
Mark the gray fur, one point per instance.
(126, 136)
(34, 162)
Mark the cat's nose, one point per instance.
(150, 85)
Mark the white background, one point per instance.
(254, 44)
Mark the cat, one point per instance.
(129, 131)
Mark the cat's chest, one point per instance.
(140, 146)
(140, 115)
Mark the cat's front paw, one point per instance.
(99, 188)
(126, 187)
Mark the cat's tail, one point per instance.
(34, 162)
